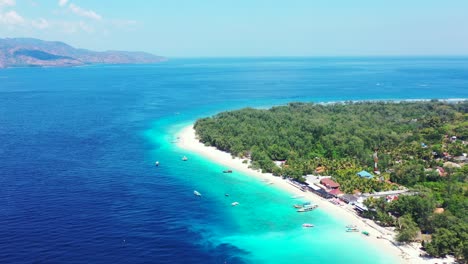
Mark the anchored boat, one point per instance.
(307, 208)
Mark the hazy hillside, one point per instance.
(20, 52)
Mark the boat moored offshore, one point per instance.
(352, 229)
(307, 208)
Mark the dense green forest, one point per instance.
(414, 142)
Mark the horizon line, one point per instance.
(315, 56)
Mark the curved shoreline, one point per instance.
(405, 253)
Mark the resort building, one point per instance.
(313, 185)
(329, 183)
(360, 207)
(335, 192)
(349, 198)
(333, 188)
(319, 191)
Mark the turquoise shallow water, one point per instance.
(77, 149)
(265, 226)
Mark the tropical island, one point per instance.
(406, 160)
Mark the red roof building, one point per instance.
(329, 183)
(335, 192)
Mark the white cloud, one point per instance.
(41, 23)
(74, 27)
(67, 27)
(7, 3)
(90, 23)
(85, 27)
(11, 18)
(62, 2)
(83, 12)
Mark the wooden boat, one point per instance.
(365, 233)
(227, 171)
(352, 229)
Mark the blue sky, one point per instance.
(198, 28)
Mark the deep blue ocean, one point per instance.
(77, 148)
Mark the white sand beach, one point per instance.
(407, 253)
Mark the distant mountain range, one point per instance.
(24, 52)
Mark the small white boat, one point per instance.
(196, 193)
(184, 158)
(156, 163)
(307, 225)
(297, 196)
(235, 204)
(307, 208)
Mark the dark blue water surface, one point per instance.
(77, 182)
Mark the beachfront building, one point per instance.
(349, 198)
(336, 192)
(319, 191)
(333, 188)
(329, 183)
(313, 185)
(360, 208)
